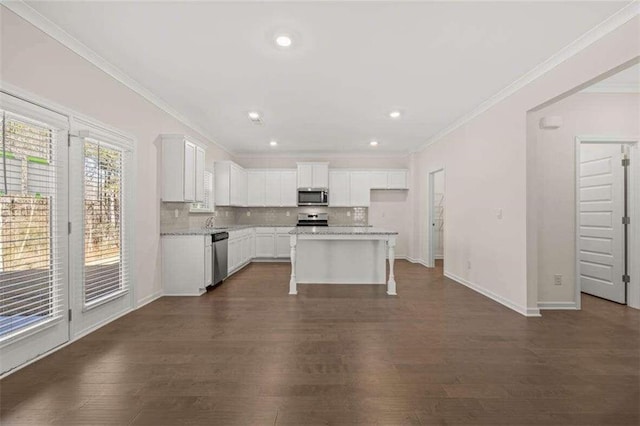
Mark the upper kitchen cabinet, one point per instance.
(271, 188)
(182, 169)
(230, 184)
(313, 175)
(389, 179)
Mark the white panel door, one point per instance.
(601, 231)
(288, 189)
(272, 183)
(189, 171)
(339, 189)
(256, 189)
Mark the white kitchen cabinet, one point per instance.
(283, 247)
(186, 264)
(240, 250)
(379, 179)
(313, 175)
(272, 182)
(398, 179)
(339, 188)
(182, 173)
(360, 189)
(265, 243)
(257, 188)
(230, 184)
(199, 176)
(288, 188)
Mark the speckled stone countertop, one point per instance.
(340, 230)
(229, 228)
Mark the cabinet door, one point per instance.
(189, 172)
(256, 189)
(288, 189)
(379, 180)
(234, 186)
(305, 176)
(320, 174)
(245, 249)
(199, 175)
(243, 187)
(339, 189)
(360, 189)
(272, 183)
(283, 249)
(398, 179)
(208, 263)
(265, 245)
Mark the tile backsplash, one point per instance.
(349, 216)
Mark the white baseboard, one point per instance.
(148, 299)
(101, 324)
(523, 310)
(418, 261)
(569, 306)
(438, 257)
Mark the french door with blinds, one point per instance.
(100, 206)
(65, 229)
(34, 284)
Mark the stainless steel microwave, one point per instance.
(313, 197)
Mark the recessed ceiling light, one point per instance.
(273, 143)
(253, 115)
(373, 143)
(283, 40)
(395, 114)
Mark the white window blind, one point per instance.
(31, 267)
(106, 270)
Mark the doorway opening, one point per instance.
(605, 171)
(437, 202)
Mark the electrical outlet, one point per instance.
(469, 264)
(348, 213)
(499, 213)
(176, 213)
(226, 214)
(288, 214)
(248, 213)
(557, 279)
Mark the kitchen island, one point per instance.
(341, 255)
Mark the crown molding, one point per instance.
(321, 154)
(47, 26)
(615, 21)
(612, 88)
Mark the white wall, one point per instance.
(389, 209)
(36, 63)
(583, 114)
(489, 165)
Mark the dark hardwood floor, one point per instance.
(249, 354)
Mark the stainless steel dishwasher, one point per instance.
(220, 246)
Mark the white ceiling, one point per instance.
(350, 64)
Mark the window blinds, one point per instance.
(31, 267)
(105, 253)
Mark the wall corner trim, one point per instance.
(569, 306)
(522, 310)
(605, 27)
(35, 18)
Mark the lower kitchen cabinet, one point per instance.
(240, 250)
(186, 264)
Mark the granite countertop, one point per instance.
(228, 228)
(340, 230)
